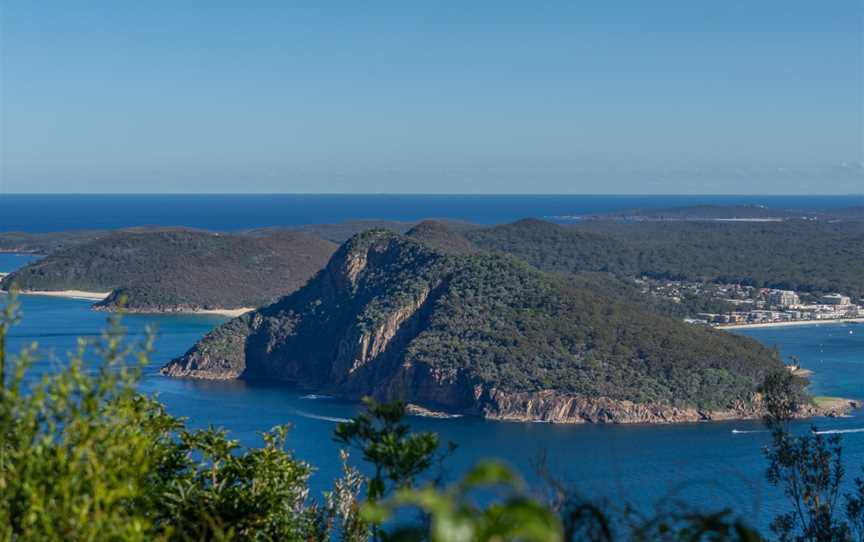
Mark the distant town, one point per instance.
(737, 304)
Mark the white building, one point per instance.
(783, 298)
(836, 299)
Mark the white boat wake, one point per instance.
(839, 431)
(319, 417)
(316, 396)
(748, 432)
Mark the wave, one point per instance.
(320, 417)
(839, 431)
(824, 432)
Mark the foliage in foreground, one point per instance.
(84, 456)
(809, 469)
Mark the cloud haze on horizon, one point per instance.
(672, 96)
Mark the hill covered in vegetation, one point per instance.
(178, 269)
(483, 334)
(45, 243)
(801, 255)
(814, 255)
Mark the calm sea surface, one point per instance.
(705, 464)
(42, 213)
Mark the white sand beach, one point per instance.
(72, 294)
(233, 313)
(794, 323)
(99, 296)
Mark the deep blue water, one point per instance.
(42, 213)
(706, 464)
(11, 262)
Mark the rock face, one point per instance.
(480, 334)
(553, 407)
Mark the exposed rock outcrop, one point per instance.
(553, 407)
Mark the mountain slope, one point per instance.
(181, 269)
(481, 334)
(442, 237)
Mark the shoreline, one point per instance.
(821, 407)
(232, 313)
(793, 323)
(69, 294)
(101, 296)
(632, 414)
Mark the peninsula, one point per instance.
(483, 334)
(177, 270)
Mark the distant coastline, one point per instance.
(43, 213)
(834, 321)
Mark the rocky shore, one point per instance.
(552, 407)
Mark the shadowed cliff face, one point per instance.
(480, 334)
(348, 326)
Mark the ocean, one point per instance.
(708, 465)
(44, 213)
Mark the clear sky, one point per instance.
(595, 96)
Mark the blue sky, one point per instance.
(660, 96)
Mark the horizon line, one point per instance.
(433, 194)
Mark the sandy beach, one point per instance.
(233, 313)
(99, 296)
(794, 323)
(71, 294)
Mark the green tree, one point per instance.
(84, 456)
(397, 455)
(855, 509)
(810, 471)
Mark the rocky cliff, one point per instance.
(481, 334)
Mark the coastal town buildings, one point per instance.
(783, 298)
(836, 299)
(736, 304)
